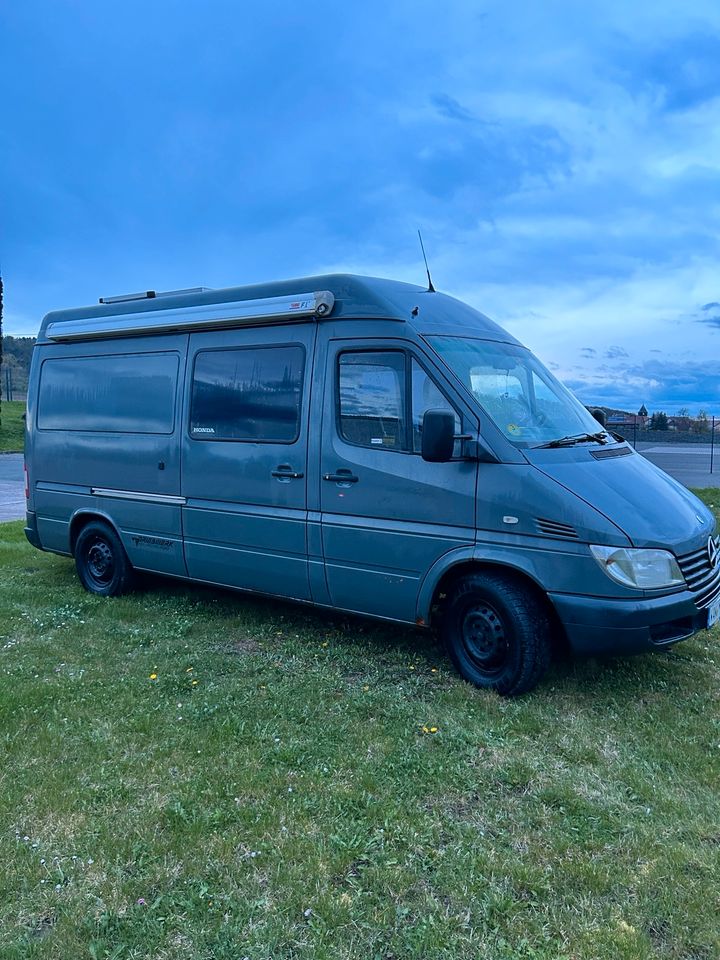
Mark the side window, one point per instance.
(426, 395)
(372, 402)
(247, 394)
(123, 393)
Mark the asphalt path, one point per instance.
(688, 462)
(12, 487)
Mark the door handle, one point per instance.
(285, 472)
(342, 476)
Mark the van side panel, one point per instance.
(105, 441)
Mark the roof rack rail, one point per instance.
(151, 294)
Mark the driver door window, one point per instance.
(372, 399)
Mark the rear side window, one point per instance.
(249, 393)
(372, 399)
(132, 393)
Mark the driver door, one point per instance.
(386, 514)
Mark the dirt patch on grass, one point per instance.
(245, 646)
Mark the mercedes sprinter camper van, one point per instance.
(363, 445)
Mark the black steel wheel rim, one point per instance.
(100, 562)
(485, 639)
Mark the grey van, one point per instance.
(363, 445)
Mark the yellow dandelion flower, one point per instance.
(366, 688)
(153, 676)
(195, 682)
(434, 670)
(433, 729)
(189, 670)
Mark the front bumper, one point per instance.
(601, 626)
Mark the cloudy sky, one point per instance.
(562, 158)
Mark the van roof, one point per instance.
(355, 297)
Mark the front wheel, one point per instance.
(101, 562)
(497, 633)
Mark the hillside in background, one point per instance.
(15, 367)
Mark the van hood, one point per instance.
(651, 508)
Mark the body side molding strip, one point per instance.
(133, 495)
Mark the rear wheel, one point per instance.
(497, 633)
(101, 561)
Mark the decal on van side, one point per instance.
(137, 539)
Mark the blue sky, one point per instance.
(563, 160)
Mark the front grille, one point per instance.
(554, 528)
(702, 578)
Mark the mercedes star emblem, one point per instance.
(713, 552)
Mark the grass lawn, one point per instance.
(187, 773)
(12, 426)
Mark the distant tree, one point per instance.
(659, 421)
(682, 419)
(702, 423)
(19, 347)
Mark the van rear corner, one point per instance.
(31, 530)
(31, 525)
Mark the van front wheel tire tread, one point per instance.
(497, 633)
(101, 562)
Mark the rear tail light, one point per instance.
(27, 483)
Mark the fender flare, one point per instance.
(433, 577)
(90, 512)
(499, 556)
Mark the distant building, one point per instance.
(620, 418)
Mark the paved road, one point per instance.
(12, 487)
(689, 463)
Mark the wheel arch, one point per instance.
(459, 563)
(81, 518)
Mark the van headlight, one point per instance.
(642, 569)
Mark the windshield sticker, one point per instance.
(514, 430)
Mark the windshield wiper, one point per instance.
(600, 437)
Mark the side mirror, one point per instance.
(438, 436)
(599, 416)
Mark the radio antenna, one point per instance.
(431, 288)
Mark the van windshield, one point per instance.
(521, 396)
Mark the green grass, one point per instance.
(12, 426)
(272, 793)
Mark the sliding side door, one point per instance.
(244, 467)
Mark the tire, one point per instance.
(497, 633)
(101, 562)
